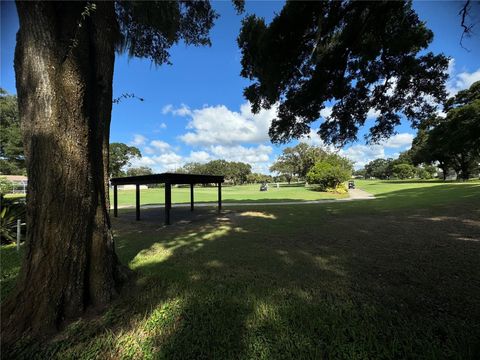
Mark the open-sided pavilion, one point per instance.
(168, 179)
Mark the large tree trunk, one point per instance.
(464, 166)
(444, 168)
(64, 70)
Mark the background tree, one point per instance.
(403, 171)
(120, 156)
(359, 55)
(238, 172)
(284, 168)
(234, 172)
(454, 141)
(460, 134)
(298, 160)
(360, 172)
(12, 159)
(428, 151)
(192, 168)
(379, 168)
(405, 157)
(64, 70)
(425, 172)
(257, 178)
(141, 170)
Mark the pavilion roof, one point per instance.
(172, 178)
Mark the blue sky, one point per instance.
(194, 110)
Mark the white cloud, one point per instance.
(161, 156)
(160, 163)
(363, 154)
(198, 156)
(326, 112)
(451, 67)
(183, 110)
(160, 145)
(250, 155)
(143, 161)
(139, 140)
(167, 109)
(168, 159)
(373, 114)
(218, 125)
(403, 140)
(312, 139)
(465, 79)
(460, 80)
(148, 150)
(163, 125)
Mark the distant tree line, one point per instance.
(449, 143)
(401, 168)
(235, 172)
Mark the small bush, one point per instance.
(11, 211)
(330, 173)
(340, 189)
(6, 185)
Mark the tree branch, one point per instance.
(467, 29)
(117, 100)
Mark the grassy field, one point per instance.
(392, 278)
(241, 193)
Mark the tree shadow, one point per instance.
(293, 184)
(352, 289)
(306, 281)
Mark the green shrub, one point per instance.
(6, 185)
(423, 174)
(340, 189)
(330, 172)
(10, 211)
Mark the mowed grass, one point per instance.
(393, 278)
(239, 193)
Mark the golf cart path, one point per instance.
(354, 195)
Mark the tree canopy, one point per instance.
(297, 160)
(453, 141)
(149, 28)
(360, 56)
(120, 156)
(137, 171)
(379, 168)
(235, 172)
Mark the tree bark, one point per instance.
(464, 166)
(444, 168)
(64, 70)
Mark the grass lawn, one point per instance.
(241, 193)
(392, 278)
(14, 196)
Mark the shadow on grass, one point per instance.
(306, 281)
(213, 203)
(418, 181)
(296, 184)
